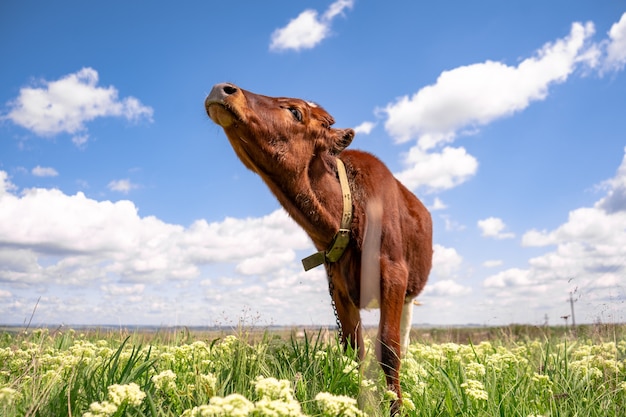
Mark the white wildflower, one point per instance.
(165, 381)
(7, 395)
(338, 405)
(474, 370)
(273, 389)
(234, 405)
(475, 390)
(126, 394)
(101, 409)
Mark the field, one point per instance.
(510, 371)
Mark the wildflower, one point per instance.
(474, 370)
(407, 404)
(368, 384)
(273, 389)
(338, 405)
(352, 370)
(234, 405)
(165, 381)
(391, 395)
(276, 398)
(277, 408)
(320, 355)
(475, 390)
(7, 395)
(126, 394)
(209, 381)
(101, 409)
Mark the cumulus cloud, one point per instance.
(616, 46)
(477, 94)
(49, 236)
(465, 98)
(67, 104)
(446, 262)
(308, 29)
(446, 288)
(437, 171)
(40, 171)
(494, 227)
(589, 257)
(446, 266)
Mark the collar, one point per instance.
(342, 237)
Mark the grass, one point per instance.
(510, 371)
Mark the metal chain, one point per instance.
(331, 290)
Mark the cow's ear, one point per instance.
(342, 138)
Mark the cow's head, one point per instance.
(272, 134)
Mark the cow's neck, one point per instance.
(312, 197)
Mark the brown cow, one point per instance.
(291, 145)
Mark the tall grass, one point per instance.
(506, 372)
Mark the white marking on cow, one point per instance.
(310, 103)
(405, 326)
(370, 255)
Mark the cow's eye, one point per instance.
(296, 113)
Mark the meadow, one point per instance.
(511, 371)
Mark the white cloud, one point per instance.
(493, 227)
(308, 29)
(615, 199)
(67, 104)
(437, 170)
(467, 97)
(80, 140)
(266, 262)
(71, 240)
(511, 277)
(365, 128)
(438, 205)
(40, 171)
(616, 45)
(477, 94)
(589, 257)
(446, 262)
(123, 186)
(445, 288)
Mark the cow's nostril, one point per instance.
(229, 89)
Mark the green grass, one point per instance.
(512, 371)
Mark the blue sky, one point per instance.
(122, 203)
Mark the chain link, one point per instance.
(331, 290)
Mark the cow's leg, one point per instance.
(350, 319)
(394, 281)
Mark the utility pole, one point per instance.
(571, 304)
